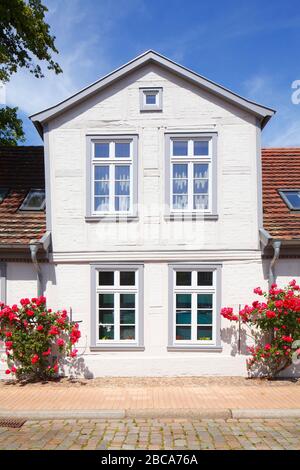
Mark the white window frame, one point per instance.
(116, 290)
(157, 106)
(112, 161)
(194, 290)
(190, 159)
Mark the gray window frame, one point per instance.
(285, 199)
(158, 106)
(3, 282)
(186, 215)
(172, 346)
(121, 346)
(30, 209)
(111, 216)
(3, 275)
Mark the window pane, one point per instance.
(200, 147)
(183, 278)
(180, 186)
(101, 204)
(127, 300)
(122, 172)
(205, 278)
(101, 188)
(150, 98)
(180, 148)
(183, 300)
(180, 171)
(122, 188)
(127, 317)
(201, 202)
(180, 202)
(34, 200)
(102, 150)
(183, 332)
(200, 186)
(106, 300)
(106, 278)
(3, 193)
(101, 173)
(204, 300)
(127, 332)
(204, 333)
(293, 198)
(183, 317)
(127, 278)
(204, 317)
(122, 203)
(200, 170)
(106, 316)
(122, 149)
(106, 332)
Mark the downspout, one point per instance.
(276, 246)
(33, 250)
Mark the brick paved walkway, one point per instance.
(154, 434)
(169, 397)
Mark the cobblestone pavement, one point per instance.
(154, 434)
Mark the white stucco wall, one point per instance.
(231, 240)
(186, 108)
(68, 286)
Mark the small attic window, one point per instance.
(3, 194)
(292, 198)
(151, 99)
(34, 201)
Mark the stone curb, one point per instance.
(152, 413)
(266, 413)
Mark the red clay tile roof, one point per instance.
(280, 170)
(21, 168)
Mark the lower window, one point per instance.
(117, 305)
(194, 306)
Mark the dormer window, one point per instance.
(34, 201)
(151, 99)
(292, 198)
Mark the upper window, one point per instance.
(191, 174)
(112, 170)
(151, 99)
(291, 198)
(34, 201)
(3, 194)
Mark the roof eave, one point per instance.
(264, 113)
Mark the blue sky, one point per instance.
(251, 47)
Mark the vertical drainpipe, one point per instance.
(33, 250)
(276, 246)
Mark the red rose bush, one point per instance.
(36, 340)
(276, 324)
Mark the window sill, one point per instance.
(111, 218)
(117, 347)
(194, 348)
(190, 216)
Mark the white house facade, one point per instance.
(154, 221)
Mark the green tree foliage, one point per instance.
(11, 131)
(25, 42)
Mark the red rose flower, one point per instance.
(40, 328)
(34, 359)
(8, 344)
(7, 371)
